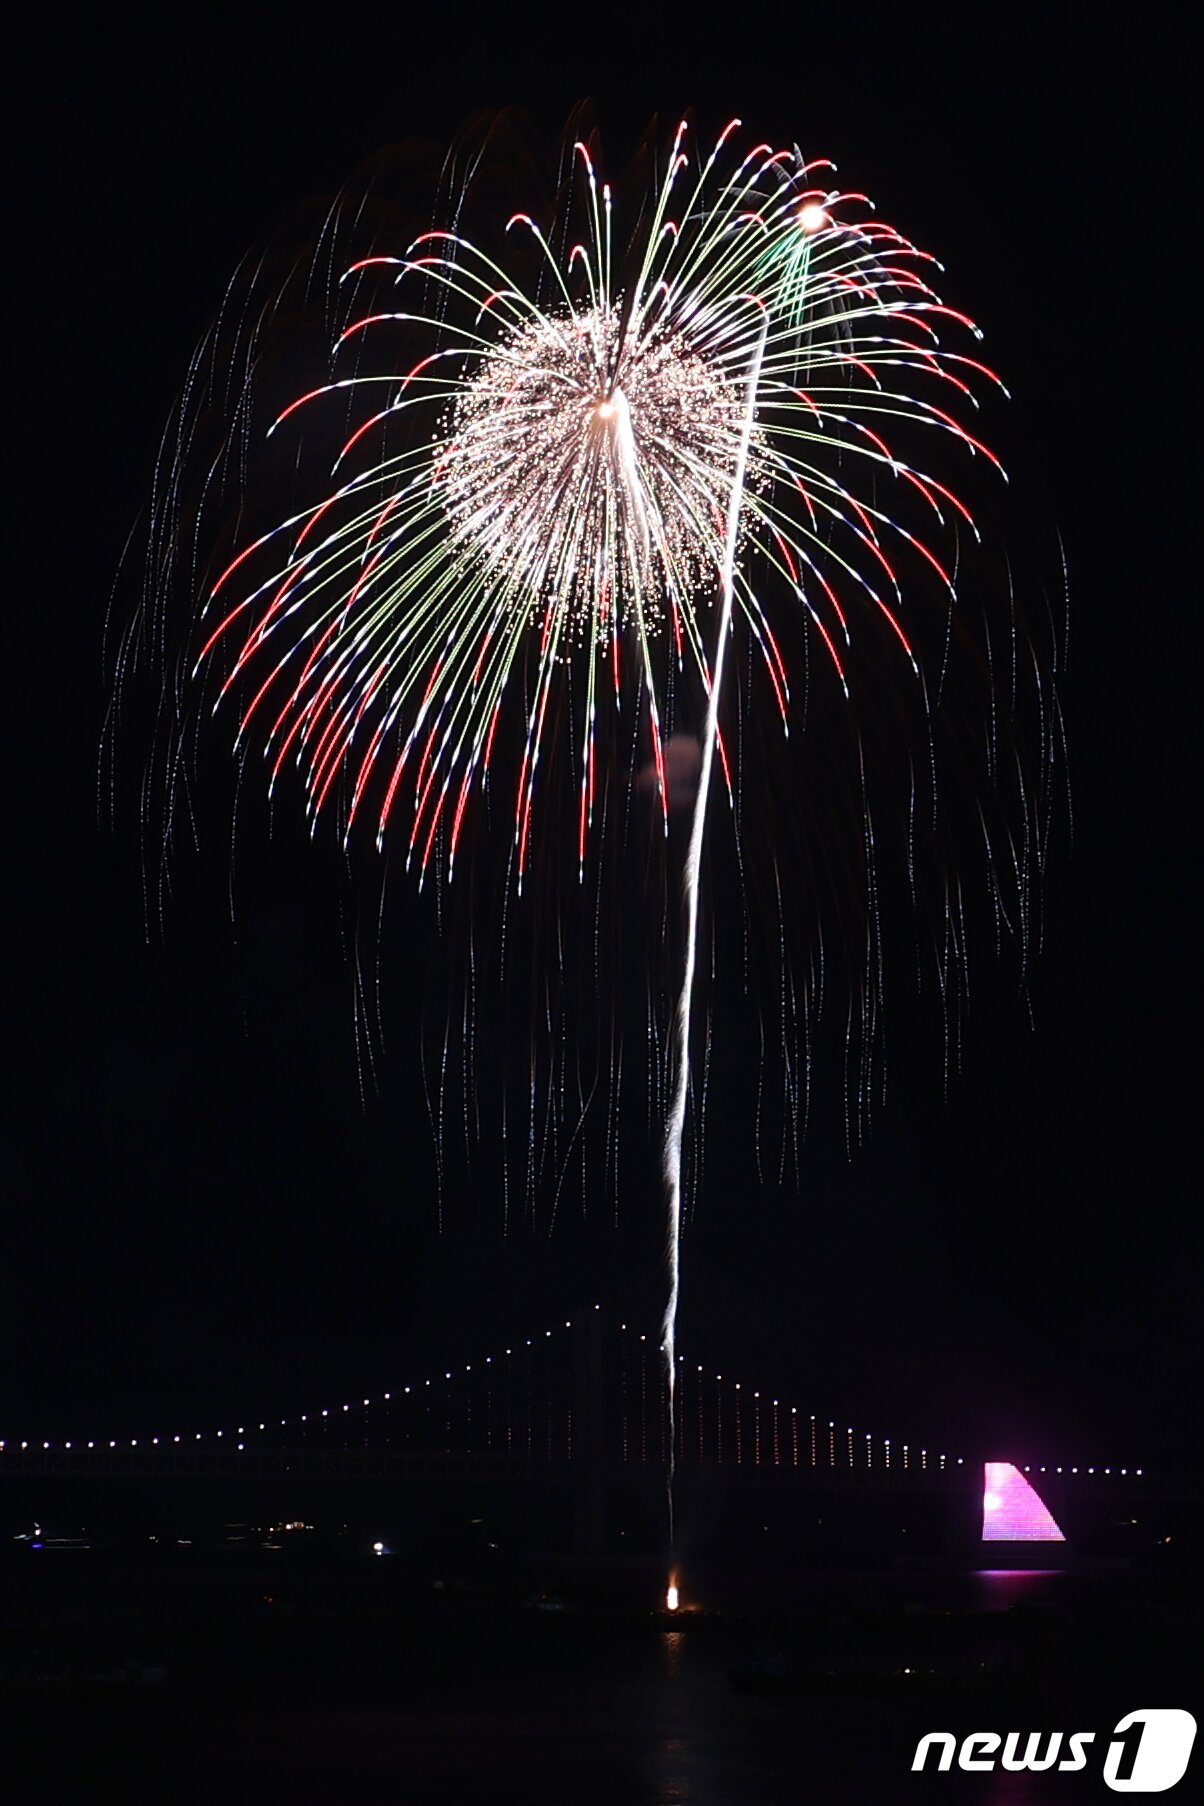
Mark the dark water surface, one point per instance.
(484, 1702)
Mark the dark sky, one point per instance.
(200, 1212)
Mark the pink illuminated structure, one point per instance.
(1011, 1510)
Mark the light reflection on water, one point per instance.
(481, 1710)
(1001, 1589)
(674, 1753)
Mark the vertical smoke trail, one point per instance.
(681, 1027)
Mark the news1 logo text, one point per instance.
(1148, 1751)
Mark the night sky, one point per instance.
(201, 1214)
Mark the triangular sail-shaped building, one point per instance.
(1012, 1512)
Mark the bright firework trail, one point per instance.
(681, 1026)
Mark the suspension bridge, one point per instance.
(579, 1406)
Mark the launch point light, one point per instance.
(811, 217)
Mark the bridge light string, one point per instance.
(322, 1417)
(8, 1445)
(738, 1410)
(242, 1437)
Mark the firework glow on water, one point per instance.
(572, 468)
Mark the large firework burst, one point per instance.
(545, 484)
(505, 601)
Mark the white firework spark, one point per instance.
(590, 468)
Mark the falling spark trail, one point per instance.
(681, 1028)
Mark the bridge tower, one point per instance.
(590, 1451)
